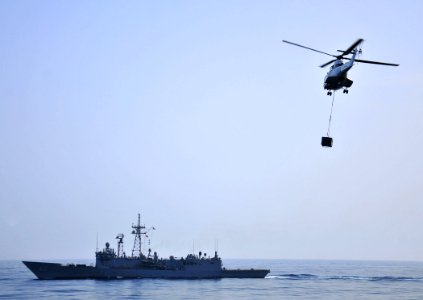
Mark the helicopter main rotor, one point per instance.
(344, 53)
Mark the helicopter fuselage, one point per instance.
(336, 78)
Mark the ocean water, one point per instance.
(289, 279)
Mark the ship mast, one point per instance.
(137, 231)
(120, 252)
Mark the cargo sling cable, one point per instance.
(330, 116)
(327, 141)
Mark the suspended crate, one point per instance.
(327, 141)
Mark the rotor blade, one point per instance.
(352, 47)
(374, 62)
(307, 48)
(328, 63)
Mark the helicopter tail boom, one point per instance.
(345, 67)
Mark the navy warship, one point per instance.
(111, 264)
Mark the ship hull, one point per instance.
(43, 270)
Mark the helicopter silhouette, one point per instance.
(336, 78)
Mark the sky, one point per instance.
(197, 116)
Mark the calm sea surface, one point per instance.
(289, 279)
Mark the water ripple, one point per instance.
(343, 277)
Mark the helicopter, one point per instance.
(336, 78)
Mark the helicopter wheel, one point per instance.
(329, 93)
(345, 91)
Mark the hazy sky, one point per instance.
(194, 114)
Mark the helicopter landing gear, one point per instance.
(345, 91)
(329, 93)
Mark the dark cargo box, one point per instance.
(327, 141)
